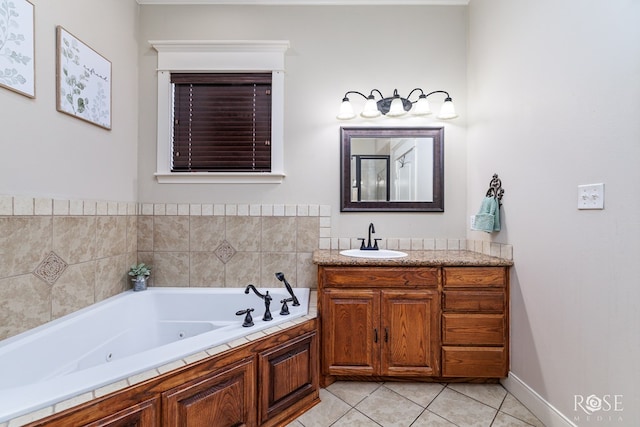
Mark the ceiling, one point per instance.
(311, 2)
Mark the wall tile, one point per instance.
(111, 233)
(206, 270)
(111, 276)
(242, 269)
(131, 233)
(306, 271)
(273, 262)
(74, 290)
(23, 205)
(170, 268)
(145, 233)
(206, 233)
(74, 238)
(279, 234)
(25, 302)
(6, 205)
(244, 233)
(25, 241)
(171, 233)
(307, 234)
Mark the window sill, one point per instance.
(220, 178)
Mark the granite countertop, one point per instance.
(414, 258)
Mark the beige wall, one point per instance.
(53, 154)
(333, 49)
(554, 102)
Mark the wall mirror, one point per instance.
(392, 169)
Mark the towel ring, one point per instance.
(495, 189)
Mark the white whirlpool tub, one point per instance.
(126, 334)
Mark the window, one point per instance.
(196, 60)
(221, 122)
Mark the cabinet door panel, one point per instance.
(222, 399)
(350, 332)
(410, 333)
(473, 329)
(288, 373)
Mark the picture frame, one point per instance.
(83, 80)
(17, 47)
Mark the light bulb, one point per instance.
(447, 111)
(370, 109)
(397, 107)
(346, 110)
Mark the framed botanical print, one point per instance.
(83, 81)
(17, 47)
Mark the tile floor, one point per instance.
(397, 404)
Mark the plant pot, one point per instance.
(139, 283)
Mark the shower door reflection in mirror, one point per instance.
(392, 169)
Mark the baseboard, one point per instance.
(542, 409)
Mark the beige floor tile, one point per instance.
(389, 409)
(420, 393)
(354, 418)
(506, 420)
(353, 392)
(513, 407)
(324, 414)
(429, 419)
(489, 394)
(462, 410)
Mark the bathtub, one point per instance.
(124, 335)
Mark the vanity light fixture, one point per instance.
(395, 106)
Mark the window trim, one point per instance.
(219, 56)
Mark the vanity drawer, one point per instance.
(469, 277)
(476, 301)
(473, 329)
(483, 362)
(377, 277)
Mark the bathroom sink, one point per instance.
(379, 254)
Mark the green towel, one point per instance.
(488, 217)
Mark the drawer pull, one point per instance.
(386, 334)
(375, 335)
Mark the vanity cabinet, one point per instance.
(379, 321)
(436, 322)
(475, 339)
(144, 414)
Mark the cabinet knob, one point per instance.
(375, 335)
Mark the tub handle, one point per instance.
(248, 319)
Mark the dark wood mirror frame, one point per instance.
(436, 205)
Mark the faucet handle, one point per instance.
(362, 242)
(375, 243)
(248, 320)
(285, 308)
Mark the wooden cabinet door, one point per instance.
(409, 331)
(288, 374)
(225, 398)
(350, 332)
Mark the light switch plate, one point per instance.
(591, 196)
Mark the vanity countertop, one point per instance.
(434, 258)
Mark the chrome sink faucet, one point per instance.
(267, 301)
(372, 230)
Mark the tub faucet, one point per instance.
(368, 247)
(267, 301)
(280, 276)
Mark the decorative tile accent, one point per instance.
(225, 252)
(51, 268)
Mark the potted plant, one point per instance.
(139, 273)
